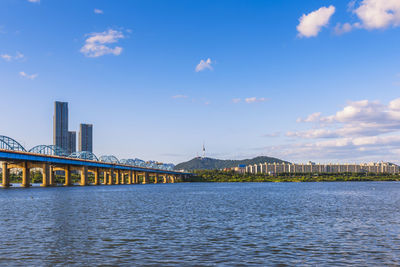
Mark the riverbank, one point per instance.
(223, 177)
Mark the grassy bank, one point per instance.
(222, 176)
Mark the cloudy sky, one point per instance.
(299, 80)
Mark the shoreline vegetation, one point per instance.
(218, 176)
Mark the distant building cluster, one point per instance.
(311, 167)
(66, 139)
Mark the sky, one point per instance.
(311, 80)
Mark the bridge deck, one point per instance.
(9, 155)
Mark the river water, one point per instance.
(207, 224)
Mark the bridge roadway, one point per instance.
(111, 173)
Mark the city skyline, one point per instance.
(66, 139)
(158, 79)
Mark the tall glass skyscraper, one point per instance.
(60, 125)
(71, 142)
(85, 142)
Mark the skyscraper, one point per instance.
(71, 142)
(60, 125)
(85, 137)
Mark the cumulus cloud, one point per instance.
(34, 1)
(372, 14)
(27, 76)
(311, 24)
(361, 127)
(8, 57)
(251, 100)
(378, 14)
(311, 118)
(204, 65)
(99, 43)
(98, 11)
(346, 27)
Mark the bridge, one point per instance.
(107, 170)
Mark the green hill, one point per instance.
(213, 164)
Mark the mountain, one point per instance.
(212, 164)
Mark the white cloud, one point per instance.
(373, 14)
(311, 118)
(378, 14)
(98, 43)
(8, 57)
(361, 129)
(27, 76)
(98, 11)
(310, 25)
(34, 1)
(179, 96)
(204, 64)
(346, 27)
(251, 100)
(236, 100)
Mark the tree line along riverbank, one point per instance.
(231, 176)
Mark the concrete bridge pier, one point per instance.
(136, 177)
(26, 177)
(52, 181)
(165, 178)
(84, 175)
(122, 177)
(117, 173)
(6, 175)
(104, 178)
(96, 177)
(156, 178)
(67, 172)
(111, 178)
(130, 177)
(145, 178)
(45, 175)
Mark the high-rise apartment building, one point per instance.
(71, 142)
(60, 125)
(85, 142)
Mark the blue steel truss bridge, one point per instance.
(107, 169)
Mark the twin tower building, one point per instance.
(66, 139)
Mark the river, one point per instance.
(206, 224)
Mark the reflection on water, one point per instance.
(202, 224)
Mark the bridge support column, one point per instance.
(84, 175)
(136, 177)
(111, 178)
(96, 177)
(130, 177)
(104, 177)
(45, 175)
(122, 178)
(26, 178)
(172, 179)
(145, 177)
(51, 176)
(156, 178)
(6, 175)
(117, 173)
(68, 180)
(165, 179)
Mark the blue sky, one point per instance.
(299, 80)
